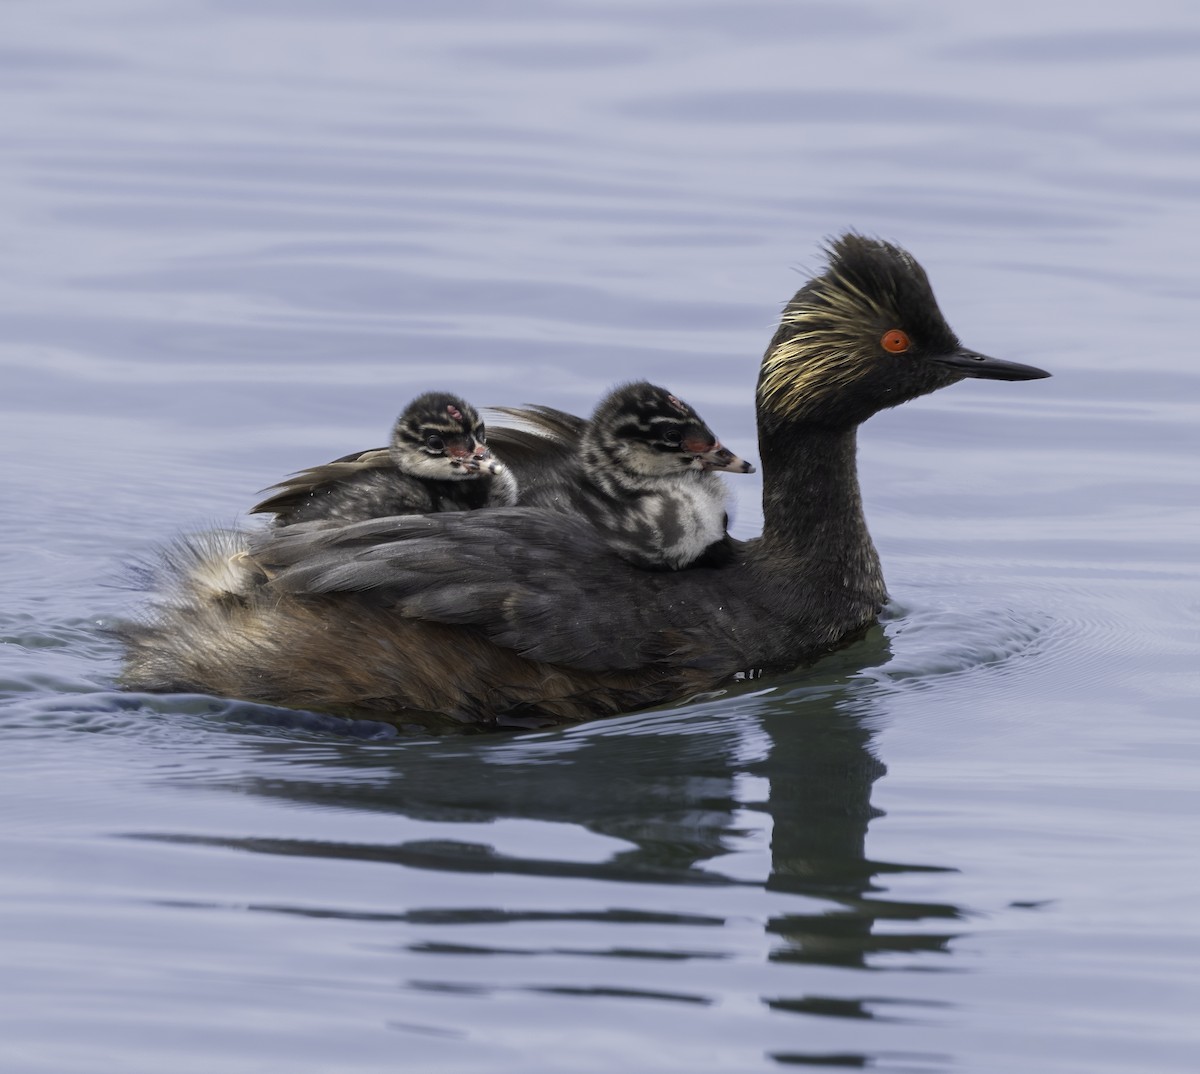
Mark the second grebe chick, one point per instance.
(643, 475)
(438, 460)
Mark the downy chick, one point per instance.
(643, 474)
(438, 460)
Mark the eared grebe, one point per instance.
(642, 472)
(438, 460)
(495, 617)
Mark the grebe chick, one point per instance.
(438, 460)
(643, 475)
(517, 613)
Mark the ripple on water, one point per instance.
(929, 642)
(1086, 626)
(44, 706)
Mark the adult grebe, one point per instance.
(491, 617)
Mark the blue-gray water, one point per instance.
(238, 235)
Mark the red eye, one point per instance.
(895, 342)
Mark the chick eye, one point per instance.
(673, 435)
(894, 341)
(435, 442)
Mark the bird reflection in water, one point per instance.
(676, 787)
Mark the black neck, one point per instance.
(813, 521)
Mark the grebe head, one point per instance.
(442, 437)
(649, 433)
(864, 335)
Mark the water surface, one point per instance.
(239, 236)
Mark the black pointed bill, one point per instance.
(968, 363)
(721, 458)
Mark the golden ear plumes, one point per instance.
(831, 330)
